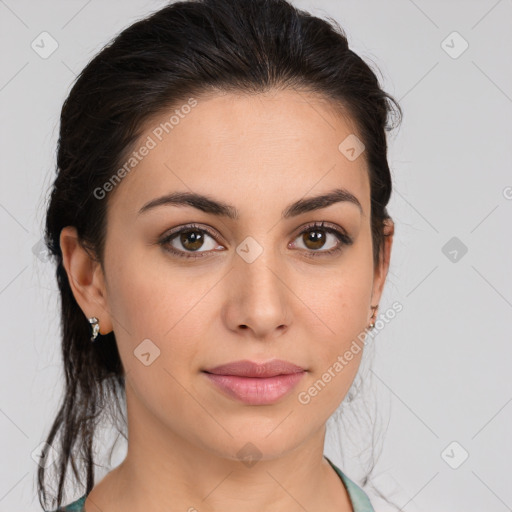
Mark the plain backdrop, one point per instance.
(441, 370)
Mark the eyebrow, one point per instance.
(215, 207)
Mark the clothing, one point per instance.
(359, 499)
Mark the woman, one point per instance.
(221, 237)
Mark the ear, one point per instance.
(86, 279)
(381, 271)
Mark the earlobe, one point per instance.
(85, 278)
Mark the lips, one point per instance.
(258, 370)
(254, 383)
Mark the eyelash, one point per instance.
(343, 240)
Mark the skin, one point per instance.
(184, 434)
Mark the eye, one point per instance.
(315, 236)
(189, 239)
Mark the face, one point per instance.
(187, 288)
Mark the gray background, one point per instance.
(441, 371)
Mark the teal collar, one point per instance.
(359, 499)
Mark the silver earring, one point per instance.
(372, 324)
(95, 323)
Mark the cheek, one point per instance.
(335, 354)
(149, 299)
(155, 314)
(340, 302)
(340, 298)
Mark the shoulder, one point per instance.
(359, 499)
(76, 506)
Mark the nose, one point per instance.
(257, 303)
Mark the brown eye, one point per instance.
(191, 240)
(314, 239)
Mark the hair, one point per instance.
(188, 48)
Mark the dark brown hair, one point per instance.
(185, 49)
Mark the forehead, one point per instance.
(278, 145)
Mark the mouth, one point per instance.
(255, 383)
(247, 368)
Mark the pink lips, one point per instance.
(256, 384)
